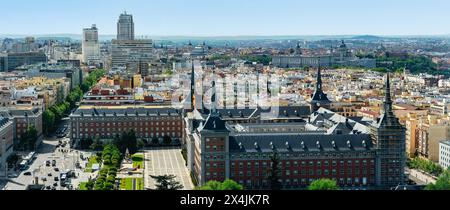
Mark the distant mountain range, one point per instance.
(196, 38)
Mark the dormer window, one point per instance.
(256, 146)
(333, 144)
(349, 145)
(272, 146)
(285, 113)
(303, 145)
(288, 146)
(241, 146)
(318, 144)
(364, 144)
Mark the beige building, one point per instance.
(6, 141)
(431, 130)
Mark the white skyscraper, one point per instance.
(90, 45)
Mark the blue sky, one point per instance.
(230, 17)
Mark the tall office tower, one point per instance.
(90, 45)
(125, 27)
(389, 138)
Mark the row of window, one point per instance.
(130, 123)
(112, 135)
(302, 154)
(287, 182)
(120, 129)
(318, 163)
(127, 118)
(310, 172)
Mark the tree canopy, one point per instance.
(167, 182)
(226, 185)
(443, 182)
(323, 184)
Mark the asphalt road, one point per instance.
(47, 151)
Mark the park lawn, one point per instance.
(138, 160)
(83, 186)
(140, 184)
(127, 183)
(93, 160)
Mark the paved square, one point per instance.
(166, 161)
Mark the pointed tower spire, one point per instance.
(319, 77)
(387, 97)
(213, 94)
(319, 98)
(192, 87)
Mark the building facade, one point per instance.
(130, 53)
(105, 122)
(6, 141)
(322, 144)
(90, 45)
(444, 154)
(14, 60)
(125, 27)
(22, 119)
(343, 57)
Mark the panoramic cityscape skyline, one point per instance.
(230, 18)
(215, 96)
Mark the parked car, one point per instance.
(53, 163)
(56, 169)
(44, 179)
(49, 174)
(47, 163)
(12, 175)
(28, 173)
(56, 179)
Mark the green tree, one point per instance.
(226, 185)
(274, 172)
(323, 184)
(212, 185)
(28, 139)
(140, 144)
(12, 159)
(96, 145)
(48, 121)
(167, 182)
(155, 140)
(442, 183)
(167, 140)
(231, 185)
